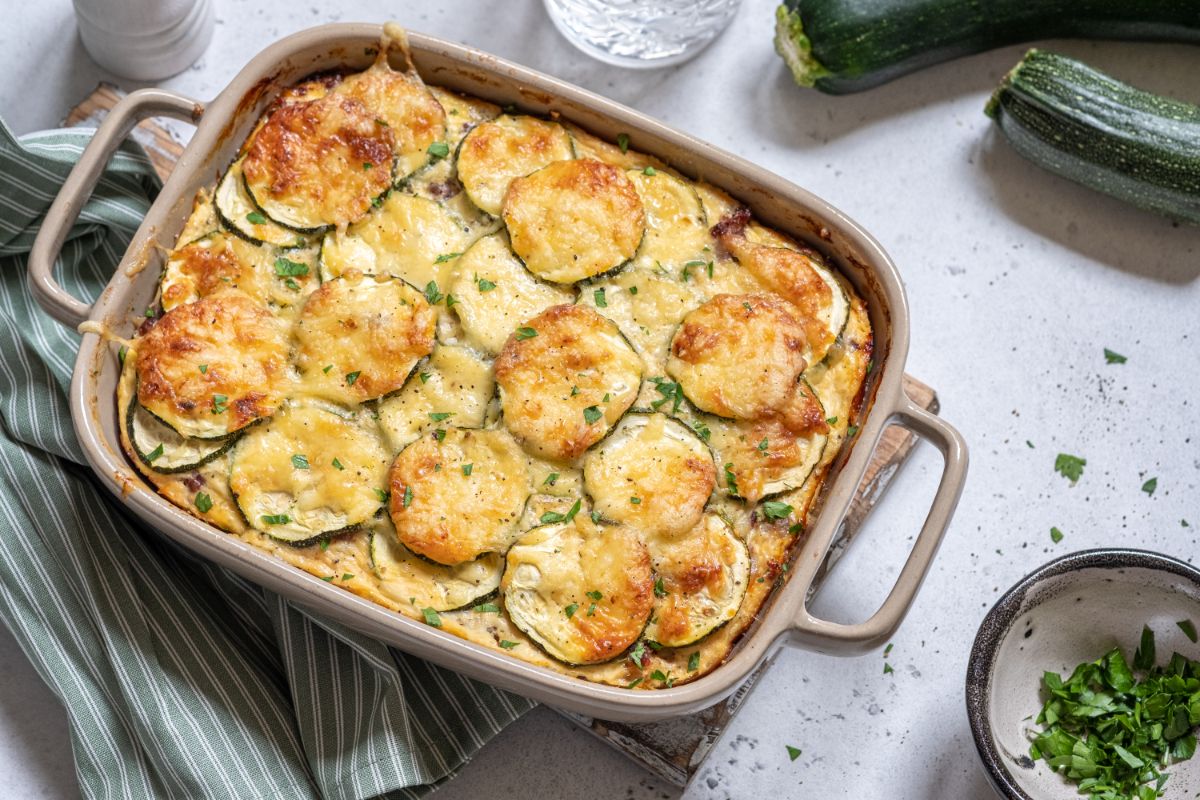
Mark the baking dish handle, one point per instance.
(831, 637)
(128, 112)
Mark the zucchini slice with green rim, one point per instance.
(163, 450)
(219, 261)
(316, 165)
(676, 226)
(575, 219)
(453, 379)
(652, 472)
(646, 305)
(493, 153)
(458, 493)
(495, 293)
(359, 337)
(408, 578)
(408, 237)
(565, 377)
(757, 460)
(309, 473)
(704, 573)
(239, 214)
(583, 592)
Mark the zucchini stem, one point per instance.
(794, 46)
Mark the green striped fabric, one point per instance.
(180, 679)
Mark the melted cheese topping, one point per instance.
(676, 228)
(457, 493)
(214, 366)
(566, 376)
(453, 380)
(653, 473)
(646, 305)
(238, 212)
(320, 163)
(410, 579)
(309, 472)
(574, 219)
(762, 458)
(359, 337)
(219, 261)
(400, 100)
(582, 592)
(496, 152)
(495, 293)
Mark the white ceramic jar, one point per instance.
(145, 39)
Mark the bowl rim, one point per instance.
(999, 620)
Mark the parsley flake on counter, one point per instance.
(793, 752)
(525, 333)
(1149, 486)
(1056, 535)
(1113, 358)
(1189, 629)
(1029, 444)
(204, 504)
(431, 617)
(1070, 467)
(887, 669)
(887, 651)
(300, 461)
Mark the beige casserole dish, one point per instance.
(221, 127)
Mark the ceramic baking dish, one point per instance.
(223, 124)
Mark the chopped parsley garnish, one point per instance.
(425, 377)
(851, 431)
(659, 589)
(887, 669)
(329, 578)
(1070, 467)
(793, 752)
(276, 519)
(286, 268)
(219, 403)
(204, 505)
(1113, 358)
(203, 369)
(671, 392)
(592, 414)
(466, 468)
(634, 683)
(507, 645)
(431, 617)
(1029, 444)
(694, 661)
(599, 298)
(651, 171)
(1149, 486)
(887, 651)
(408, 495)
(484, 285)
(444, 257)
(338, 465)
(553, 516)
(155, 454)
(525, 333)
(326, 368)
(1111, 733)
(300, 461)
(440, 436)
(623, 142)
(633, 290)
(381, 495)
(665, 679)
(122, 351)
(351, 377)
(256, 218)
(574, 391)
(1188, 628)
(551, 479)
(571, 609)
(731, 480)
(432, 294)
(637, 501)
(486, 608)
(596, 595)
(596, 517)
(591, 609)
(347, 576)
(367, 165)
(774, 509)
(1056, 535)
(638, 653)
(831, 420)
(438, 416)
(762, 446)
(701, 429)
(438, 150)
(291, 284)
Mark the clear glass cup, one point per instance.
(641, 33)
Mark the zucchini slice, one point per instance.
(583, 592)
(760, 459)
(676, 226)
(408, 578)
(651, 472)
(308, 473)
(401, 102)
(496, 152)
(408, 237)
(454, 380)
(565, 377)
(163, 450)
(646, 305)
(359, 336)
(202, 220)
(575, 219)
(704, 573)
(210, 368)
(318, 164)
(240, 215)
(740, 356)
(458, 493)
(495, 293)
(463, 113)
(219, 261)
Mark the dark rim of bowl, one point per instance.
(997, 622)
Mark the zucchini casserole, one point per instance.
(487, 370)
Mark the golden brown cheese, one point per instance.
(458, 493)
(219, 261)
(583, 592)
(319, 163)
(574, 219)
(214, 366)
(676, 227)
(360, 336)
(566, 376)
(496, 152)
(418, 582)
(453, 379)
(762, 458)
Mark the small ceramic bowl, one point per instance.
(1074, 609)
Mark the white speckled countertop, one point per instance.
(1017, 281)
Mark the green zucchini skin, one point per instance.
(1092, 129)
(843, 46)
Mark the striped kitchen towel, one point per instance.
(180, 679)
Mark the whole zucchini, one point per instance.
(1092, 129)
(842, 46)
